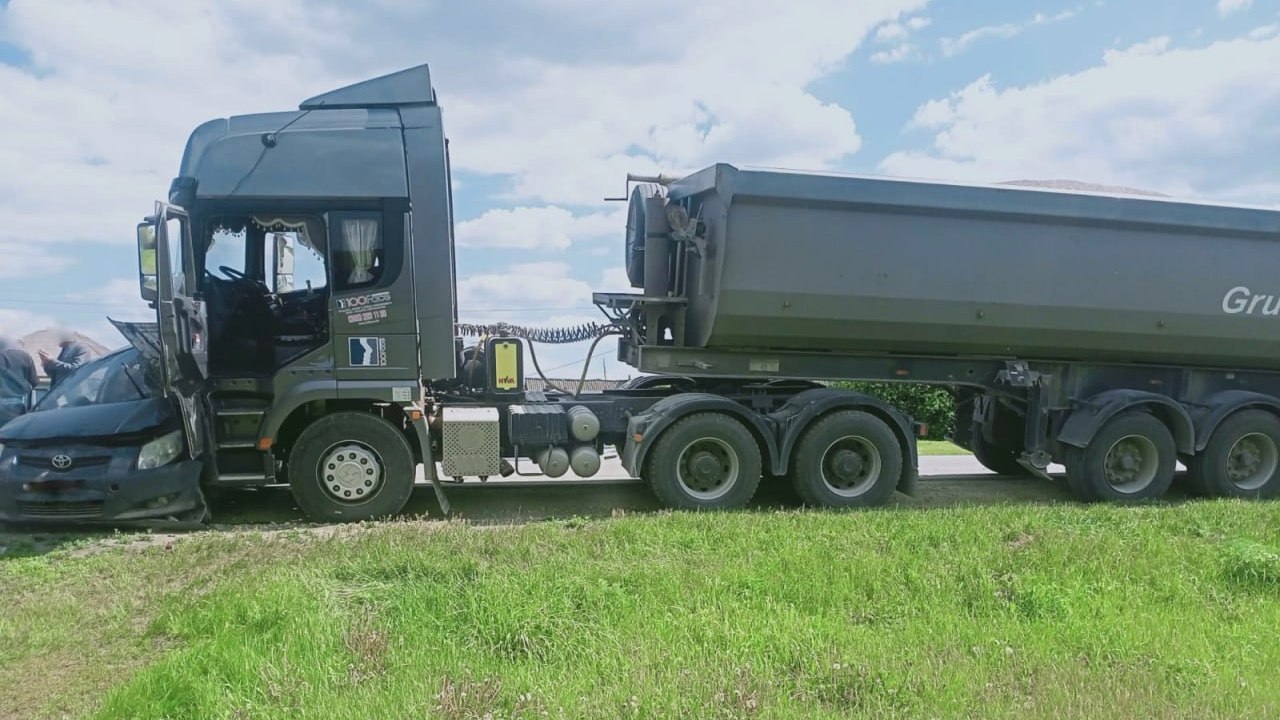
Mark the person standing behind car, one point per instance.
(72, 355)
(17, 379)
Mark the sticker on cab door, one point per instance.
(367, 351)
(365, 309)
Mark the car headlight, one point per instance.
(161, 451)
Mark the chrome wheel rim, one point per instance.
(1131, 464)
(1252, 461)
(708, 468)
(851, 466)
(350, 472)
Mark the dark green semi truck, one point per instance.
(303, 273)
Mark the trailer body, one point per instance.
(813, 262)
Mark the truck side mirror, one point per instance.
(147, 261)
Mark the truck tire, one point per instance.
(351, 466)
(707, 461)
(998, 460)
(1131, 459)
(1242, 459)
(847, 459)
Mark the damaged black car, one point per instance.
(104, 446)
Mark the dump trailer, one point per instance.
(1117, 334)
(303, 275)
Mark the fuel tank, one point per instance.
(780, 260)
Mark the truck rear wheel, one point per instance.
(707, 461)
(847, 459)
(351, 466)
(1242, 458)
(1132, 458)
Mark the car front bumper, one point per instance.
(108, 493)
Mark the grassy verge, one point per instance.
(1017, 611)
(940, 447)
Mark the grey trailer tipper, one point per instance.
(302, 271)
(1115, 334)
(850, 264)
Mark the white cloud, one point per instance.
(953, 46)
(1154, 46)
(890, 32)
(1227, 7)
(538, 228)
(526, 290)
(16, 323)
(1264, 32)
(27, 259)
(119, 298)
(895, 31)
(101, 121)
(1183, 121)
(615, 280)
(900, 53)
(898, 33)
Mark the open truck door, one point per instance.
(167, 276)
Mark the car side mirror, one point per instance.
(147, 261)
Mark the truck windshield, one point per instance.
(119, 377)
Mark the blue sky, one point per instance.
(550, 102)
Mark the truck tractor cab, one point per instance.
(303, 266)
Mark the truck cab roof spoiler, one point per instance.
(411, 86)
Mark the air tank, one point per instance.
(584, 460)
(770, 260)
(584, 426)
(553, 462)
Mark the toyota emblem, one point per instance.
(60, 462)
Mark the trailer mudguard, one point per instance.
(1217, 407)
(794, 417)
(648, 426)
(1090, 415)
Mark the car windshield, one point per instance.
(119, 377)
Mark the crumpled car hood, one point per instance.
(91, 421)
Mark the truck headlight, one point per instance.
(161, 451)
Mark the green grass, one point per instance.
(940, 447)
(999, 612)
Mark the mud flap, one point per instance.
(417, 419)
(910, 482)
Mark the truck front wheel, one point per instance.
(847, 459)
(707, 461)
(351, 466)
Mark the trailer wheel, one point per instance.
(998, 460)
(707, 461)
(1242, 458)
(1131, 459)
(847, 459)
(351, 466)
